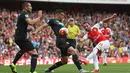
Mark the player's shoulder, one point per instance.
(76, 26)
(102, 29)
(97, 25)
(53, 21)
(108, 29)
(94, 29)
(50, 21)
(23, 13)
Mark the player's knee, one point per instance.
(33, 52)
(64, 61)
(21, 52)
(72, 51)
(34, 56)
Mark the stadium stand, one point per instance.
(120, 26)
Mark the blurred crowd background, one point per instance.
(45, 39)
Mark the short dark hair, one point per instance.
(25, 4)
(59, 11)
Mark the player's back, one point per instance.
(21, 31)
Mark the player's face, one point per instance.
(105, 25)
(29, 7)
(87, 27)
(71, 22)
(61, 15)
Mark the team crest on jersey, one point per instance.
(94, 29)
(27, 16)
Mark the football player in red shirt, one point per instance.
(107, 33)
(96, 36)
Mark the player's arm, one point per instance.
(46, 23)
(84, 38)
(33, 21)
(109, 18)
(41, 27)
(97, 25)
(78, 31)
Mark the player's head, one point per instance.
(105, 25)
(71, 21)
(59, 14)
(86, 26)
(27, 6)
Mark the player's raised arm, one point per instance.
(97, 25)
(33, 21)
(109, 18)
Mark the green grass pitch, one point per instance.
(71, 68)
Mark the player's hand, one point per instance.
(40, 13)
(78, 35)
(114, 15)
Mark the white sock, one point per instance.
(95, 62)
(90, 56)
(104, 58)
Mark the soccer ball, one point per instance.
(63, 32)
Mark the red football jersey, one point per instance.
(106, 32)
(95, 34)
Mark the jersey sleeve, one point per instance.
(101, 29)
(47, 20)
(50, 22)
(85, 36)
(78, 30)
(97, 25)
(25, 15)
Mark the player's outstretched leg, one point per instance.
(58, 64)
(17, 57)
(95, 62)
(93, 55)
